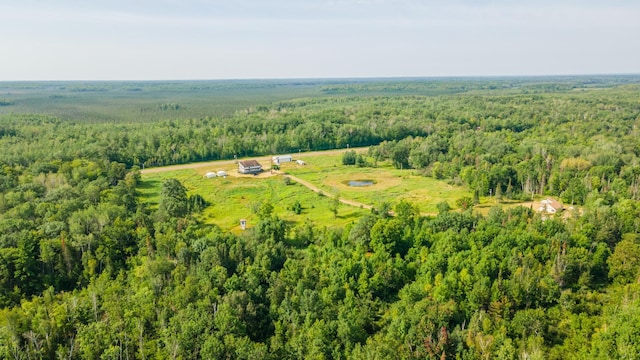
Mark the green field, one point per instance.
(232, 198)
(390, 184)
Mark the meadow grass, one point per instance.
(391, 184)
(233, 198)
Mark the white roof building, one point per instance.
(550, 206)
(281, 159)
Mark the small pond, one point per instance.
(360, 183)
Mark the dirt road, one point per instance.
(314, 188)
(198, 165)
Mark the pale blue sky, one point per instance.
(238, 39)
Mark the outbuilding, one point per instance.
(550, 206)
(249, 167)
(281, 159)
(210, 175)
(222, 173)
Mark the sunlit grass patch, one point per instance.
(233, 198)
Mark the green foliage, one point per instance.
(196, 203)
(349, 158)
(624, 263)
(465, 203)
(296, 207)
(265, 210)
(89, 271)
(173, 198)
(335, 204)
(443, 207)
(361, 161)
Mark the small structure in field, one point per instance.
(243, 224)
(281, 159)
(222, 173)
(249, 167)
(301, 162)
(210, 175)
(550, 206)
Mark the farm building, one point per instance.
(249, 167)
(281, 159)
(301, 162)
(550, 206)
(222, 173)
(210, 175)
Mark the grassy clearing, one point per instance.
(232, 199)
(391, 185)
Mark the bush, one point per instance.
(296, 207)
(349, 158)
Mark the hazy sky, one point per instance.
(237, 39)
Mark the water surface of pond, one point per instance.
(361, 183)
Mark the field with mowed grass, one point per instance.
(236, 196)
(389, 184)
(233, 198)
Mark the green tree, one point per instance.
(335, 204)
(265, 210)
(349, 158)
(465, 202)
(443, 207)
(624, 263)
(296, 207)
(173, 198)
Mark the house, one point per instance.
(550, 206)
(281, 159)
(249, 167)
(210, 175)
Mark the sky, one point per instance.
(258, 39)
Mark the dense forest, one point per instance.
(88, 271)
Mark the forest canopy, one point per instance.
(89, 270)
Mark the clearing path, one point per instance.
(318, 190)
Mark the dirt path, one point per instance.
(318, 190)
(198, 165)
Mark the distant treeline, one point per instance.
(496, 141)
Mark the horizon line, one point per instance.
(341, 78)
